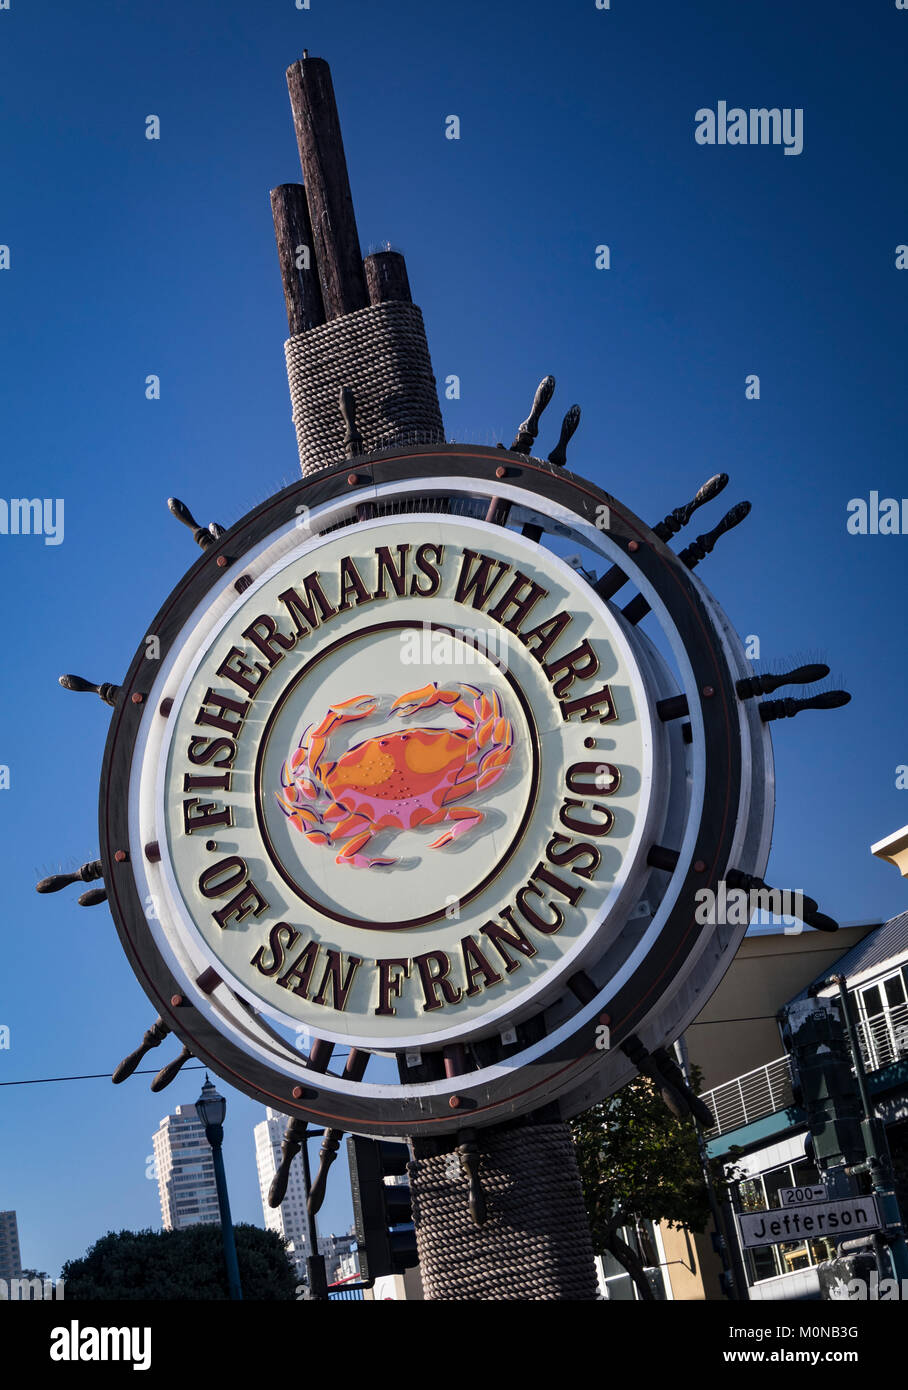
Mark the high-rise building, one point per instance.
(289, 1219)
(185, 1171)
(10, 1259)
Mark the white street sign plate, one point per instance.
(801, 1196)
(809, 1222)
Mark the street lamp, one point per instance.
(211, 1109)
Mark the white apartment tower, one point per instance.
(289, 1219)
(185, 1171)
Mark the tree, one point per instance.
(638, 1162)
(187, 1264)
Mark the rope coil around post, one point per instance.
(381, 352)
(535, 1242)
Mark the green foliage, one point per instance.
(187, 1264)
(637, 1160)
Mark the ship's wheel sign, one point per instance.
(403, 783)
(404, 815)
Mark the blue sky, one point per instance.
(130, 257)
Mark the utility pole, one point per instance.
(878, 1162)
(831, 1085)
(730, 1278)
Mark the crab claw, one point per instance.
(360, 707)
(425, 698)
(414, 700)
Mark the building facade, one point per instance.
(184, 1166)
(10, 1258)
(761, 1131)
(289, 1219)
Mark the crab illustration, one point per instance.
(397, 780)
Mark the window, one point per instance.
(882, 1020)
(643, 1238)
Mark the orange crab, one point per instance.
(399, 780)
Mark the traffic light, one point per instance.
(383, 1217)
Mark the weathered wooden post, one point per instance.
(369, 334)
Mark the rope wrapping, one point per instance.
(382, 353)
(535, 1244)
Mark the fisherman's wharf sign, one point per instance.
(394, 780)
(403, 782)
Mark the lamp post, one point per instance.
(315, 1263)
(211, 1108)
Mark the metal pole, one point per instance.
(215, 1136)
(315, 1262)
(879, 1159)
(730, 1284)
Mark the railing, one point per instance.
(749, 1097)
(884, 1038)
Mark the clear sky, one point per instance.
(130, 257)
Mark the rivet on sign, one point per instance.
(454, 1102)
(605, 1019)
(138, 697)
(120, 856)
(699, 866)
(352, 478)
(153, 851)
(708, 691)
(222, 562)
(633, 545)
(176, 1000)
(297, 1093)
(500, 471)
(589, 743)
(165, 706)
(211, 844)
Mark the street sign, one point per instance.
(810, 1222)
(802, 1196)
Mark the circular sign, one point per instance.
(404, 782)
(405, 817)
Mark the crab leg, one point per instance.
(465, 818)
(352, 824)
(351, 854)
(315, 740)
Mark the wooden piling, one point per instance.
(321, 148)
(293, 230)
(386, 278)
